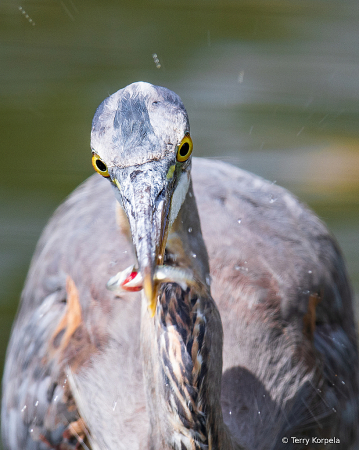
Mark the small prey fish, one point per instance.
(131, 279)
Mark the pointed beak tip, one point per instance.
(150, 293)
(152, 309)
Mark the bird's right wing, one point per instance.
(38, 408)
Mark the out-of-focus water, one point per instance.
(272, 87)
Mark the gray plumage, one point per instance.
(81, 354)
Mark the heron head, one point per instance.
(140, 141)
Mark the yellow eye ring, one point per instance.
(100, 166)
(185, 149)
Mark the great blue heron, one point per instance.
(272, 363)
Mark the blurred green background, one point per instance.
(271, 86)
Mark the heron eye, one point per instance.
(100, 166)
(185, 149)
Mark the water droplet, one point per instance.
(26, 15)
(343, 382)
(309, 271)
(114, 404)
(237, 267)
(334, 409)
(264, 396)
(23, 409)
(190, 194)
(239, 220)
(156, 60)
(125, 251)
(31, 430)
(230, 412)
(259, 412)
(272, 199)
(194, 255)
(55, 399)
(300, 131)
(37, 403)
(189, 230)
(208, 279)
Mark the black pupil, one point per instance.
(101, 166)
(184, 149)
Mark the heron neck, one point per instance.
(182, 350)
(185, 247)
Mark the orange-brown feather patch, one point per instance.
(310, 317)
(71, 319)
(76, 429)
